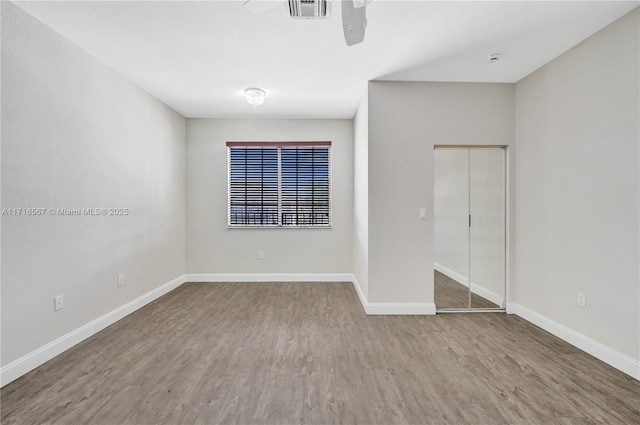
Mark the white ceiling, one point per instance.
(198, 57)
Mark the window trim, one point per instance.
(279, 146)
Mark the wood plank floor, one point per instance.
(286, 353)
(450, 293)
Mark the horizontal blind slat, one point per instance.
(303, 190)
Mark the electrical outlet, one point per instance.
(121, 280)
(260, 255)
(582, 300)
(58, 303)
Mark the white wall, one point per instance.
(578, 188)
(361, 195)
(406, 120)
(214, 248)
(77, 135)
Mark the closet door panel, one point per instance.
(451, 228)
(487, 207)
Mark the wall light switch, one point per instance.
(58, 303)
(423, 213)
(582, 299)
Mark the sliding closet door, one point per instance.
(451, 228)
(487, 231)
(469, 228)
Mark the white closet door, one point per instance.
(469, 227)
(487, 238)
(451, 227)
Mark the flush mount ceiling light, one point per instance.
(493, 58)
(255, 96)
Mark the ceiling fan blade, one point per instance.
(354, 22)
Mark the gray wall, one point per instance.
(214, 248)
(578, 185)
(77, 135)
(406, 120)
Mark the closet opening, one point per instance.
(470, 206)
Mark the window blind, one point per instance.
(285, 184)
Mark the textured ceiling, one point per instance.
(198, 57)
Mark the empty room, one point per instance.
(320, 212)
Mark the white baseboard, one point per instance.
(401, 308)
(598, 350)
(479, 290)
(392, 308)
(269, 277)
(360, 292)
(483, 292)
(452, 274)
(28, 362)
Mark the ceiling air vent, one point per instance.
(309, 9)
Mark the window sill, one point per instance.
(279, 227)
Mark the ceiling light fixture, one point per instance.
(255, 96)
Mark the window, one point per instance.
(284, 184)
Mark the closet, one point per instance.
(470, 228)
